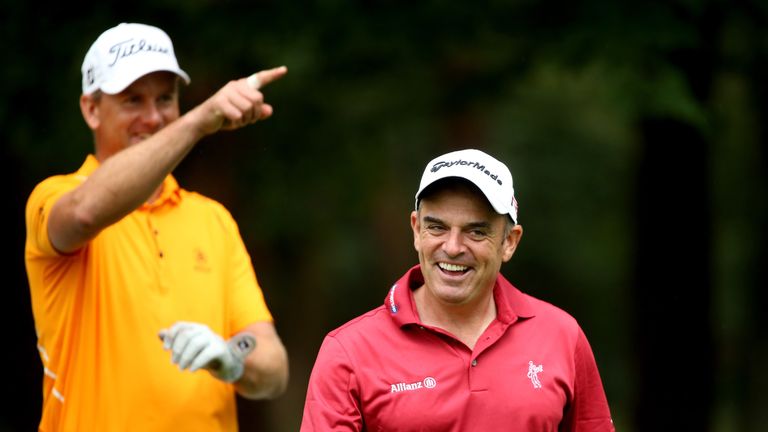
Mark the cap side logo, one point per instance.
(90, 76)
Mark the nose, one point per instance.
(152, 115)
(454, 243)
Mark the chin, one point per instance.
(451, 295)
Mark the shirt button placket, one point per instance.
(474, 376)
(162, 275)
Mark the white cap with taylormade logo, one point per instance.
(125, 53)
(488, 174)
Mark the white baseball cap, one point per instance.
(125, 53)
(488, 174)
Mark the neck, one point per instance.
(465, 322)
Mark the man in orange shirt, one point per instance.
(118, 254)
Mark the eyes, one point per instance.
(472, 232)
(167, 99)
(136, 100)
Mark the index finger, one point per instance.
(262, 78)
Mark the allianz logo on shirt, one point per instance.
(427, 382)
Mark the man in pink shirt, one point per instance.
(455, 346)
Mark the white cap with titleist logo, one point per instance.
(491, 176)
(125, 53)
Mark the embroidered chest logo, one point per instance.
(201, 261)
(427, 382)
(533, 374)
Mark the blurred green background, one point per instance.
(635, 132)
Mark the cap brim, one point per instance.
(499, 207)
(116, 86)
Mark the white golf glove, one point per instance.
(195, 346)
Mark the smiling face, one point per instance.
(131, 116)
(461, 242)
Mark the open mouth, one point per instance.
(135, 139)
(453, 269)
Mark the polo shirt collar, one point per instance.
(171, 191)
(511, 304)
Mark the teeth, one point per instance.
(452, 267)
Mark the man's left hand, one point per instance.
(195, 346)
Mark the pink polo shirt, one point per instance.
(531, 370)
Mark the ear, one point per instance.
(416, 227)
(90, 109)
(511, 241)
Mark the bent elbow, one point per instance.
(84, 223)
(69, 233)
(281, 385)
(270, 385)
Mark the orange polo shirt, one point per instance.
(98, 311)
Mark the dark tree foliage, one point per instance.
(635, 132)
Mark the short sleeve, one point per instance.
(333, 394)
(246, 301)
(39, 205)
(588, 411)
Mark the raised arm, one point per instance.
(130, 177)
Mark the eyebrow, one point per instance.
(471, 225)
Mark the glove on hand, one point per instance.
(195, 346)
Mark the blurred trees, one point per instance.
(634, 132)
